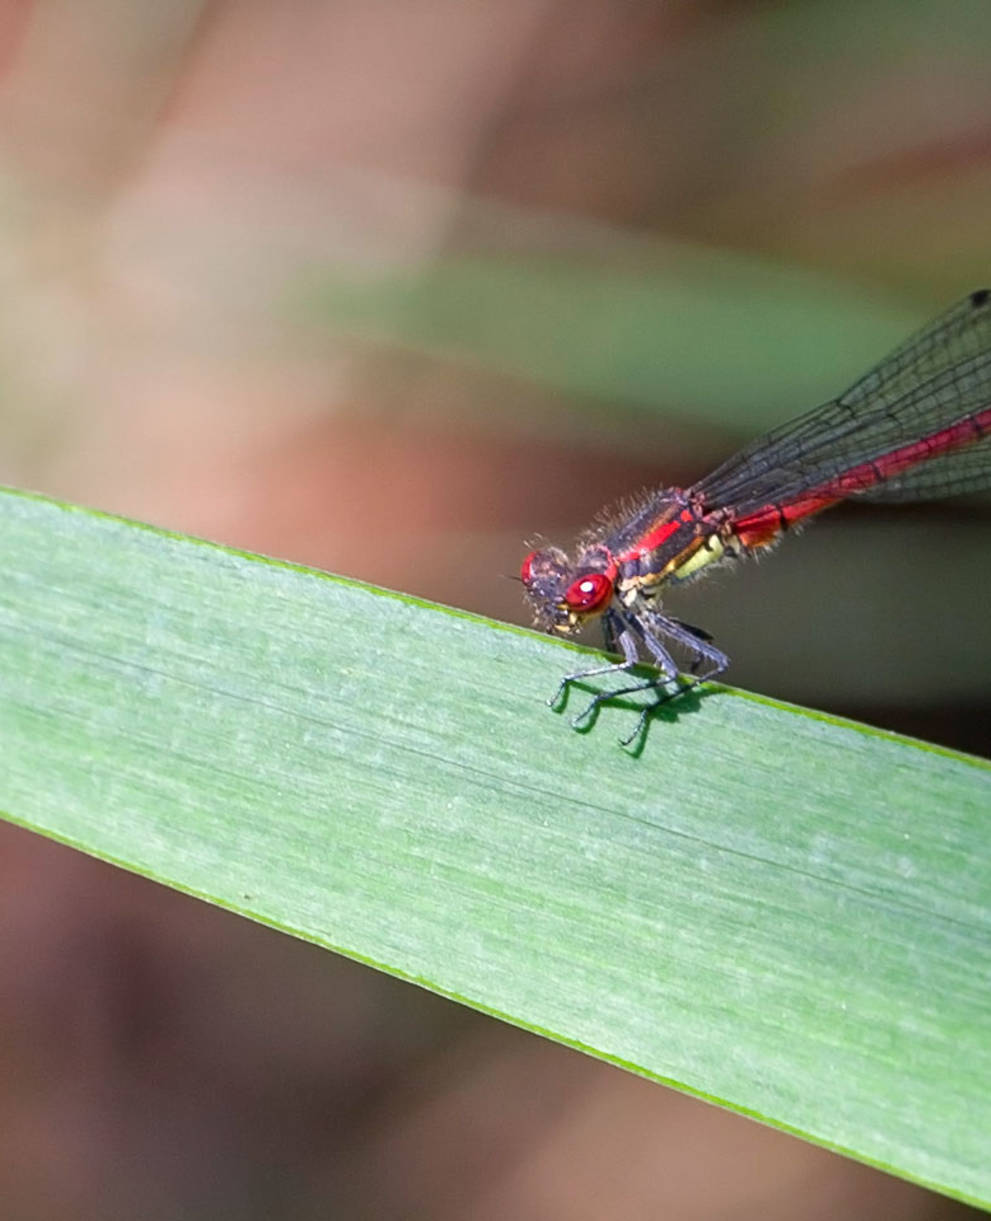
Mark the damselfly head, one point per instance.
(563, 595)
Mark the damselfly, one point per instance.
(917, 427)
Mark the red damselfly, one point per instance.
(916, 427)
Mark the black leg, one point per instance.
(644, 631)
(628, 646)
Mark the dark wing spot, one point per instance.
(980, 297)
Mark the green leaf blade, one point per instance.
(768, 908)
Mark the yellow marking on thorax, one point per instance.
(688, 564)
(682, 567)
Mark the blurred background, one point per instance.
(389, 288)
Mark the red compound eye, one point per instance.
(526, 568)
(589, 593)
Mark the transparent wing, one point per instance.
(937, 379)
